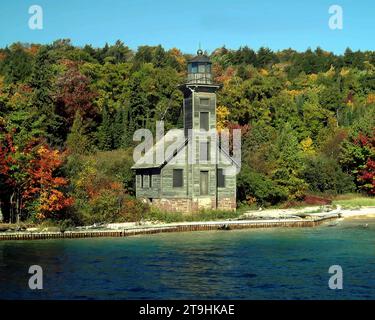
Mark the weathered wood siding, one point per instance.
(146, 191)
(202, 99)
(191, 173)
(211, 108)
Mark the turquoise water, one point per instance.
(246, 264)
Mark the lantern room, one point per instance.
(199, 69)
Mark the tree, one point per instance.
(78, 142)
(29, 174)
(17, 64)
(358, 154)
(41, 83)
(105, 131)
(325, 175)
(265, 57)
(43, 188)
(73, 93)
(13, 169)
(367, 177)
(255, 188)
(288, 160)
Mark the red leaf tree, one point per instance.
(73, 93)
(29, 175)
(367, 177)
(367, 174)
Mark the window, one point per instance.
(203, 119)
(150, 180)
(204, 102)
(204, 151)
(194, 67)
(220, 178)
(201, 68)
(142, 181)
(204, 183)
(178, 179)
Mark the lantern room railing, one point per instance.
(199, 78)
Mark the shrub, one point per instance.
(133, 210)
(102, 185)
(253, 187)
(323, 174)
(155, 214)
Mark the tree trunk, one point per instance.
(11, 209)
(18, 208)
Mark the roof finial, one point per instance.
(199, 52)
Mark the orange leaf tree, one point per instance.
(29, 174)
(43, 187)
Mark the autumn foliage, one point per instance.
(306, 122)
(42, 184)
(73, 94)
(367, 176)
(30, 177)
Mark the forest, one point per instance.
(68, 114)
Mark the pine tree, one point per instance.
(129, 128)
(41, 82)
(105, 131)
(118, 127)
(77, 142)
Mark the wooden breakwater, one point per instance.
(177, 227)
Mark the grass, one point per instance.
(354, 201)
(206, 215)
(347, 201)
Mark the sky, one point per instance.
(277, 24)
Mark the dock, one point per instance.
(172, 227)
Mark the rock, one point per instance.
(4, 228)
(51, 229)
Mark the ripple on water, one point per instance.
(244, 264)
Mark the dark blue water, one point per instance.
(247, 264)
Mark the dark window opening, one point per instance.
(204, 121)
(193, 67)
(205, 151)
(204, 183)
(178, 179)
(142, 181)
(220, 178)
(150, 180)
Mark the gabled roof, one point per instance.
(149, 160)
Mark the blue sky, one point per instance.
(277, 24)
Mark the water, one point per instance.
(246, 264)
